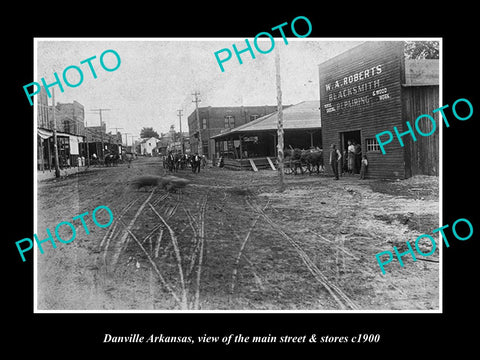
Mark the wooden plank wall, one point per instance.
(422, 157)
(376, 113)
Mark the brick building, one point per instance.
(214, 120)
(97, 135)
(69, 121)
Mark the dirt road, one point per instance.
(231, 241)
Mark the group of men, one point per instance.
(354, 160)
(175, 161)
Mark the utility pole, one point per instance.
(86, 141)
(55, 145)
(179, 114)
(101, 132)
(200, 144)
(280, 121)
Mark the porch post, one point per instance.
(241, 150)
(49, 155)
(42, 160)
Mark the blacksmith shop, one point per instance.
(371, 88)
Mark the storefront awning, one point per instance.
(44, 134)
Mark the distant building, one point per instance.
(172, 141)
(215, 120)
(69, 121)
(96, 135)
(149, 146)
(71, 118)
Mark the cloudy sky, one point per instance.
(157, 76)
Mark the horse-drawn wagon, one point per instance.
(304, 160)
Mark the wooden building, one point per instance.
(370, 89)
(215, 120)
(256, 141)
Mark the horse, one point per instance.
(111, 159)
(313, 158)
(295, 159)
(195, 161)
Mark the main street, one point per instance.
(231, 241)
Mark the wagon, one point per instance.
(290, 166)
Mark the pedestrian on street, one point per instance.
(363, 168)
(335, 156)
(358, 157)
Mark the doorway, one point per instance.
(355, 137)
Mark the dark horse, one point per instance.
(313, 158)
(195, 161)
(294, 158)
(111, 159)
(300, 159)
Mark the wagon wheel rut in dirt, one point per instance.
(169, 245)
(340, 297)
(186, 252)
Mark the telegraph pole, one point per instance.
(179, 114)
(280, 121)
(196, 101)
(55, 145)
(86, 141)
(101, 132)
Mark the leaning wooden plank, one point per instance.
(253, 165)
(271, 163)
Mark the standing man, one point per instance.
(358, 157)
(335, 156)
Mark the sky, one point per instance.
(156, 77)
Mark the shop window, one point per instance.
(372, 145)
(229, 121)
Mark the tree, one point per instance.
(148, 132)
(421, 49)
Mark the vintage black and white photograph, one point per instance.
(204, 175)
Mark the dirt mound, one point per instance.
(164, 182)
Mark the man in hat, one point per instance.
(335, 156)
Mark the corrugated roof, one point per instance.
(304, 115)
